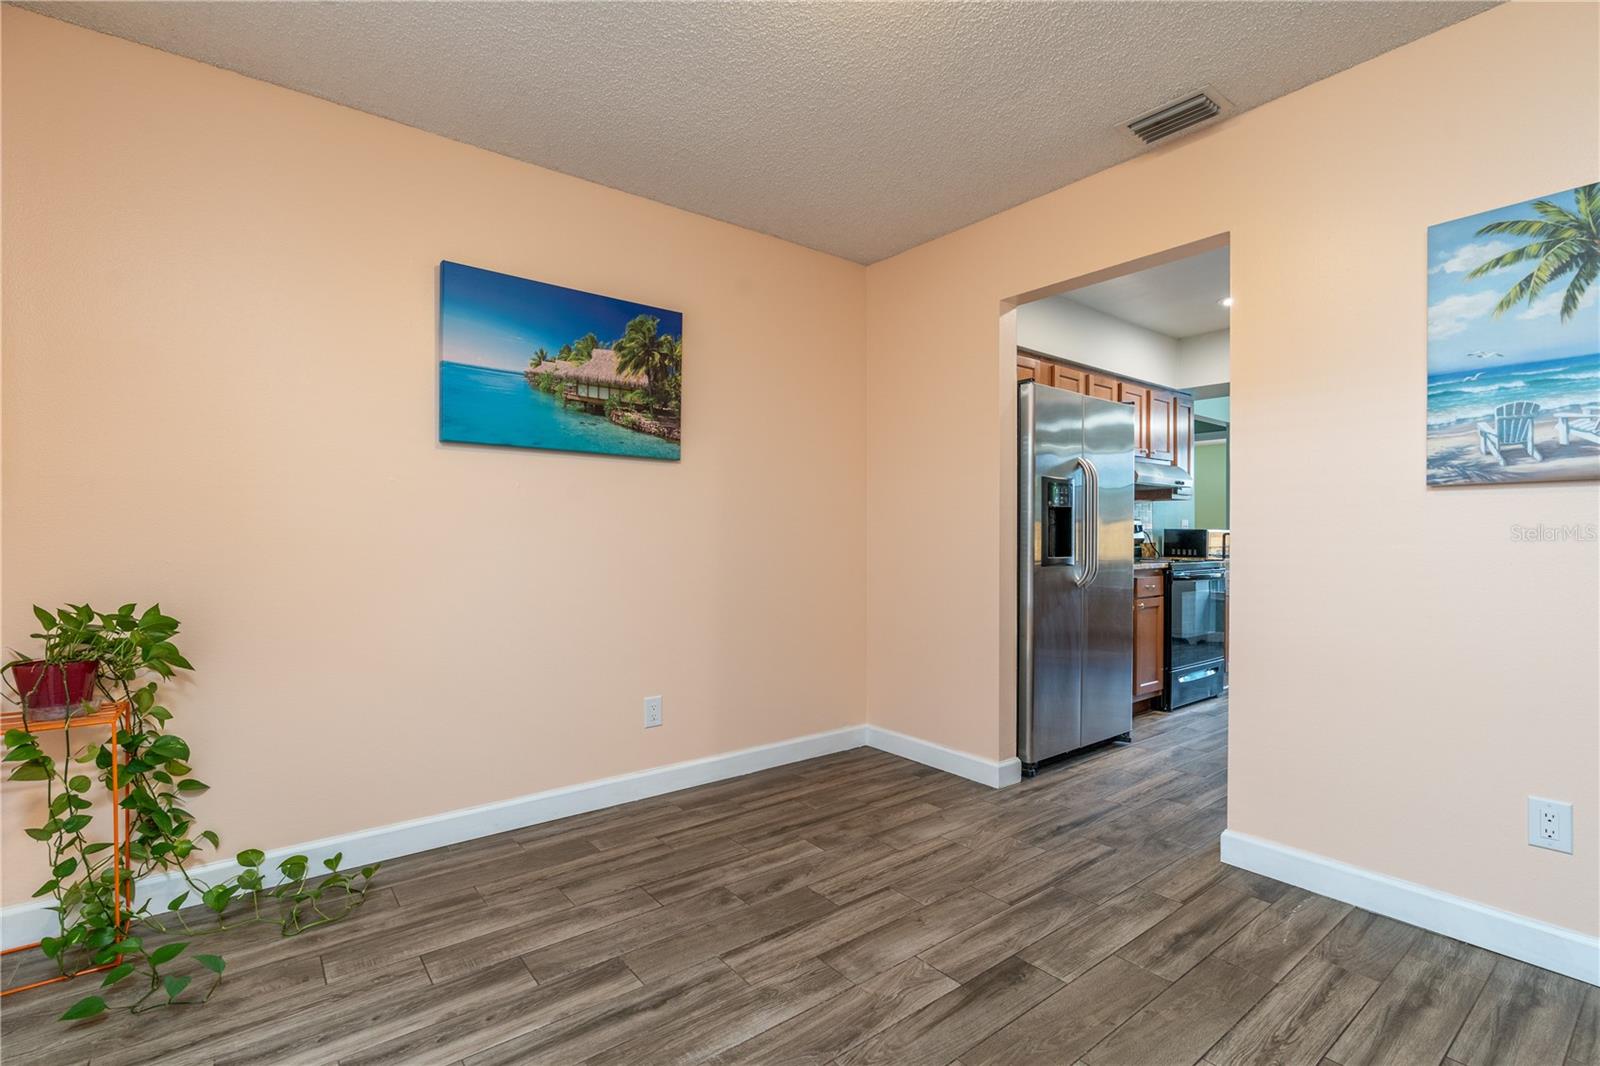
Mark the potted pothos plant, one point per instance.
(129, 653)
(63, 675)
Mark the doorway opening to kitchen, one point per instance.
(1124, 539)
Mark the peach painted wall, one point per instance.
(1399, 660)
(219, 391)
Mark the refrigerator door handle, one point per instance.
(1091, 523)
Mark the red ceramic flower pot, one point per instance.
(44, 685)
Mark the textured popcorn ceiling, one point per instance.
(860, 129)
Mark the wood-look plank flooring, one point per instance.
(854, 910)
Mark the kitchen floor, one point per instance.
(858, 909)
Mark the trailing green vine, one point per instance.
(153, 767)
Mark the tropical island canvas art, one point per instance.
(1514, 343)
(532, 365)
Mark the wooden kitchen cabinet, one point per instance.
(1137, 396)
(1069, 378)
(1149, 645)
(1031, 368)
(1183, 432)
(1161, 435)
(1163, 418)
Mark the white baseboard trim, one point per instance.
(962, 764)
(25, 923)
(1563, 950)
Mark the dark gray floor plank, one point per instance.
(508, 941)
(1179, 1025)
(1073, 1020)
(1130, 824)
(807, 870)
(1023, 875)
(1584, 1050)
(743, 1013)
(1172, 946)
(968, 954)
(1192, 874)
(1525, 1016)
(1298, 1021)
(506, 858)
(1122, 868)
(30, 1032)
(1274, 942)
(1415, 1013)
(453, 1031)
(773, 956)
(718, 875)
(933, 880)
(649, 827)
(880, 949)
(646, 927)
(592, 1031)
(1368, 944)
(425, 929)
(839, 1024)
(375, 1015)
(1187, 877)
(309, 1012)
(719, 936)
(957, 1020)
(587, 886)
(1080, 944)
(581, 868)
(946, 821)
(867, 878)
(578, 826)
(881, 820)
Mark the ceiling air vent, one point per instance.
(1175, 119)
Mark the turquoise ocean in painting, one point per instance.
(480, 405)
(1565, 384)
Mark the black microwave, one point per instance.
(1194, 543)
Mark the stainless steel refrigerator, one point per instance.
(1075, 572)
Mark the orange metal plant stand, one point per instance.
(115, 715)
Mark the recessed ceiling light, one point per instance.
(1226, 301)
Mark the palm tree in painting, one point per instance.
(641, 350)
(672, 363)
(583, 348)
(1562, 242)
(539, 356)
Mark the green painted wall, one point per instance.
(1211, 485)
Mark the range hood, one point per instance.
(1150, 476)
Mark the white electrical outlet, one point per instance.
(1550, 824)
(652, 711)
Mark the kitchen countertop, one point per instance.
(1161, 562)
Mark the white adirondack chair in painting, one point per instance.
(1512, 428)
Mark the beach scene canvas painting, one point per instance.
(530, 365)
(1514, 343)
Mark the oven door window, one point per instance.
(1196, 617)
